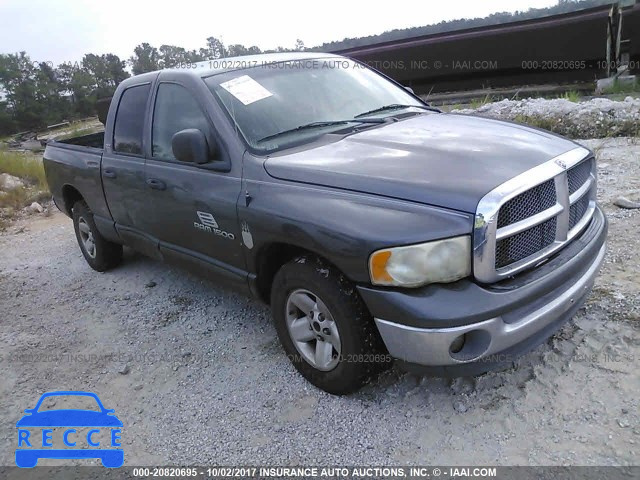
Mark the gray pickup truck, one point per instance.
(375, 226)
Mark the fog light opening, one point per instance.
(458, 344)
(470, 345)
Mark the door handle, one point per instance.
(156, 184)
(107, 172)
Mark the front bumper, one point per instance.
(465, 328)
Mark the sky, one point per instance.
(64, 30)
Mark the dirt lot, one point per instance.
(197, 376)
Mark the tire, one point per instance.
(100, 254)
(334, 342)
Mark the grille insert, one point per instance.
(528, 203)
(578, 175)
(526, 243)
(577, 210)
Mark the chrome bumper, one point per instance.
(486, 339)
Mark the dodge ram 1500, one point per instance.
(375, 226)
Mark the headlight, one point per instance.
(440, 261)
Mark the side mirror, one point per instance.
(410, 90)
(190, 145)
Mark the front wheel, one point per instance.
(324, 327)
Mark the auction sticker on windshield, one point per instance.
(246, 89)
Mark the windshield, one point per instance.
(269, 103)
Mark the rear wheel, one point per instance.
(324, 327)
(99, 253)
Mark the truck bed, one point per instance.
(72, 167)
(94, 140)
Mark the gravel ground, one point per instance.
(197, 376)
(595, 118)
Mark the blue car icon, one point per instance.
(31, 448)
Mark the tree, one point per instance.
(83, 86)
(215, 48)
(145, 58)
(170, 56)
(49, 96)
(237, 50)
(299, 45)
(115, 70)
(17, 79)
(7, 124)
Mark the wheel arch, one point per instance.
(70, 195)
(271, 257)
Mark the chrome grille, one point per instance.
(528, 204)
(577, 210)
(578, 175)
(530, 217)
(523, 244)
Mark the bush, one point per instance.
(28, 167)
(30, 170)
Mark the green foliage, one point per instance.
(25, 166)
(37, 95)
(28, 168)
(540, 122)
(621, 88)
(145, 59)
(572, 96)
(479, 102)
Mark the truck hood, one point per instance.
(447, 160)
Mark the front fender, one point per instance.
(343, 227)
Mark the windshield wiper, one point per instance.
(331, 123)
(396, 106)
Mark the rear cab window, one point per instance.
(129, 122)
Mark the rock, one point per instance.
(35, 207)
(124, 369)
(460, 407)
(151, 284)
(9, 182)
(623, 423)
(624, 202)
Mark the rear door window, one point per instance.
(129, 124)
